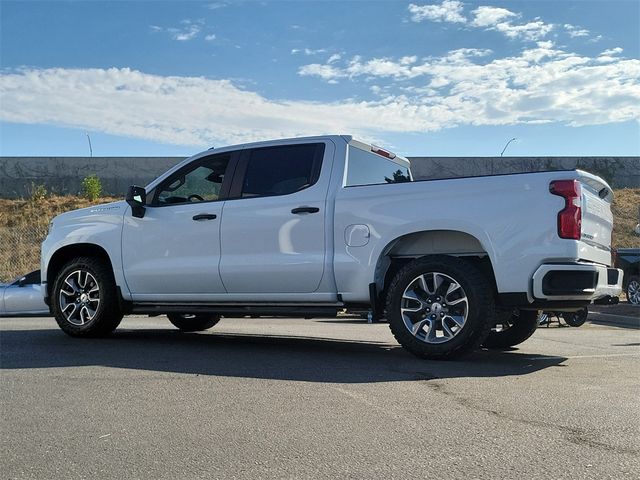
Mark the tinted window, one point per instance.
(282, 170)
(367, 168)
(200, 182)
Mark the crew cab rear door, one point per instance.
(273, 224)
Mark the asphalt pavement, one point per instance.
(293, 398)
(622, 314)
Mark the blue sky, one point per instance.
(423, 78)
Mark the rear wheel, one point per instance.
(438, 307)
(188, 322)
(512, 327)
(84, 298)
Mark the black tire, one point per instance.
(107, 314)
(633, 290)
(479, 307)
(576, 319)
(193, 322)
(517, 326)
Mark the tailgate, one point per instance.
(597, 219)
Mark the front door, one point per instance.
(173, 252)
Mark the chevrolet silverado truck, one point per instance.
(311, 226)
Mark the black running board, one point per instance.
(238, 310)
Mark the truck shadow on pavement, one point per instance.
(253, 356)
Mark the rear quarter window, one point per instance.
(366, 168)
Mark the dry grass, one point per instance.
(626, 209)
(24, 224)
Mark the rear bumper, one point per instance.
(576, 281)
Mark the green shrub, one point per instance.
(91, 187)
(38, 193)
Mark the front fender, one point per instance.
(77, 230)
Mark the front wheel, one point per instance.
(511, 328)
(193, 322)
(438, 307)
(84, 298)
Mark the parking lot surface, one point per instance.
(292, 398)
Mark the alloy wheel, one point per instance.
(79, 297)
(434, 307)
(633, 292)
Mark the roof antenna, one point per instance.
(505, 147)
(90, 149)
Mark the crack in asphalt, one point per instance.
(574, 435)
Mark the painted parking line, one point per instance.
(627, 317)
(571, 357)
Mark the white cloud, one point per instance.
(541, 84)
(485, 17)
(404, 68)
(408, 60)
(187, 30)
(187, 34)
(210, 38)
(490, 16)
(502, 20)
(611, 51)
(378, 67)
(308, 51)
(217, 5)
(610, 55)
(464, 87)
(326, 72)
(447, 11)
(334, 58)
(529, 31)
(182, 110)
(575, 32)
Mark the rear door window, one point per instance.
(281, 170)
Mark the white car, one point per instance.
(23, 297)
(311, 226)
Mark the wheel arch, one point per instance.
(66, 253)
(410, 246)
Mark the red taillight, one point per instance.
(570, 217)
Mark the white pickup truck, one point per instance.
(311, 226)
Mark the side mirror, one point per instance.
(136, 198)
(22, 282)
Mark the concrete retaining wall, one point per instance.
(619, 172)
(64, 174)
